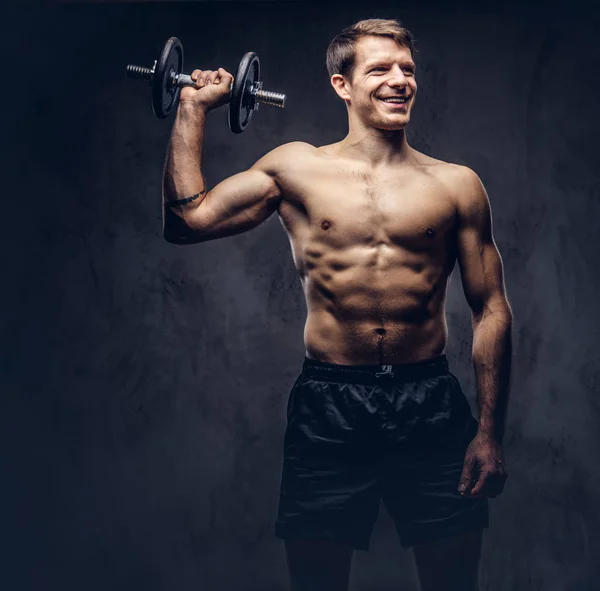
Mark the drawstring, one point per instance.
(387, 371)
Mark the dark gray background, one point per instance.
(144, 384)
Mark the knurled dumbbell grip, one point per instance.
(186, 80)
(274, 99)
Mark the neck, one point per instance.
(376, 147)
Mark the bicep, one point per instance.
(480, 262)
(239, 203)
(235, 205)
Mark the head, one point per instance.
(370, 61)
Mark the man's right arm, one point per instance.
(192, 213)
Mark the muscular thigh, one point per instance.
(318, 565)
(451, 563)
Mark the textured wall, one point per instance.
(144, 384)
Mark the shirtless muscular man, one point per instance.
(375, 229)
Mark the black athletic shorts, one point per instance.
(358, 434)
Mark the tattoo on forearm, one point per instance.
(175, 202)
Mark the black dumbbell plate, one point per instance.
(165, 94)
(241, 104)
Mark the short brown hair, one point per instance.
(341, 53)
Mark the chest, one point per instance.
(342, 207)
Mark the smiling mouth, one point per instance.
(395, 100)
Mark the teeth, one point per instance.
(394, 100)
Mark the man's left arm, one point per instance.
(482, 277)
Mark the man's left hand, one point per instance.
(484, 469)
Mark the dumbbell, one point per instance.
(166, 80)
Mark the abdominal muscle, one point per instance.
(374, 252)
(375, 309)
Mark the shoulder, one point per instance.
(280, 157)
(293, 148)
(469, 192)
(464, 187)
(470, 197)
(463, 179)
(458, 177)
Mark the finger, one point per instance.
(224, 75)
(225, 78)
(199, 77)
(203, 77)
(489, 483)
(213, 78)
(466, 476)
(480, 486)
(480, 495)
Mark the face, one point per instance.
(383, 85)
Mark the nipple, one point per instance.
(326, 224)
(430, 232)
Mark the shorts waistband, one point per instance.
(334, 372)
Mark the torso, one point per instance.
(374, 251)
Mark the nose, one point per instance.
(397, 79)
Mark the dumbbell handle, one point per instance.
(267, 97)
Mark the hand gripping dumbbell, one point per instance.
(166, 80)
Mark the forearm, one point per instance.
(184, 187)
(492, 356)
(183, 176)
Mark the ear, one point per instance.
(341, 86)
